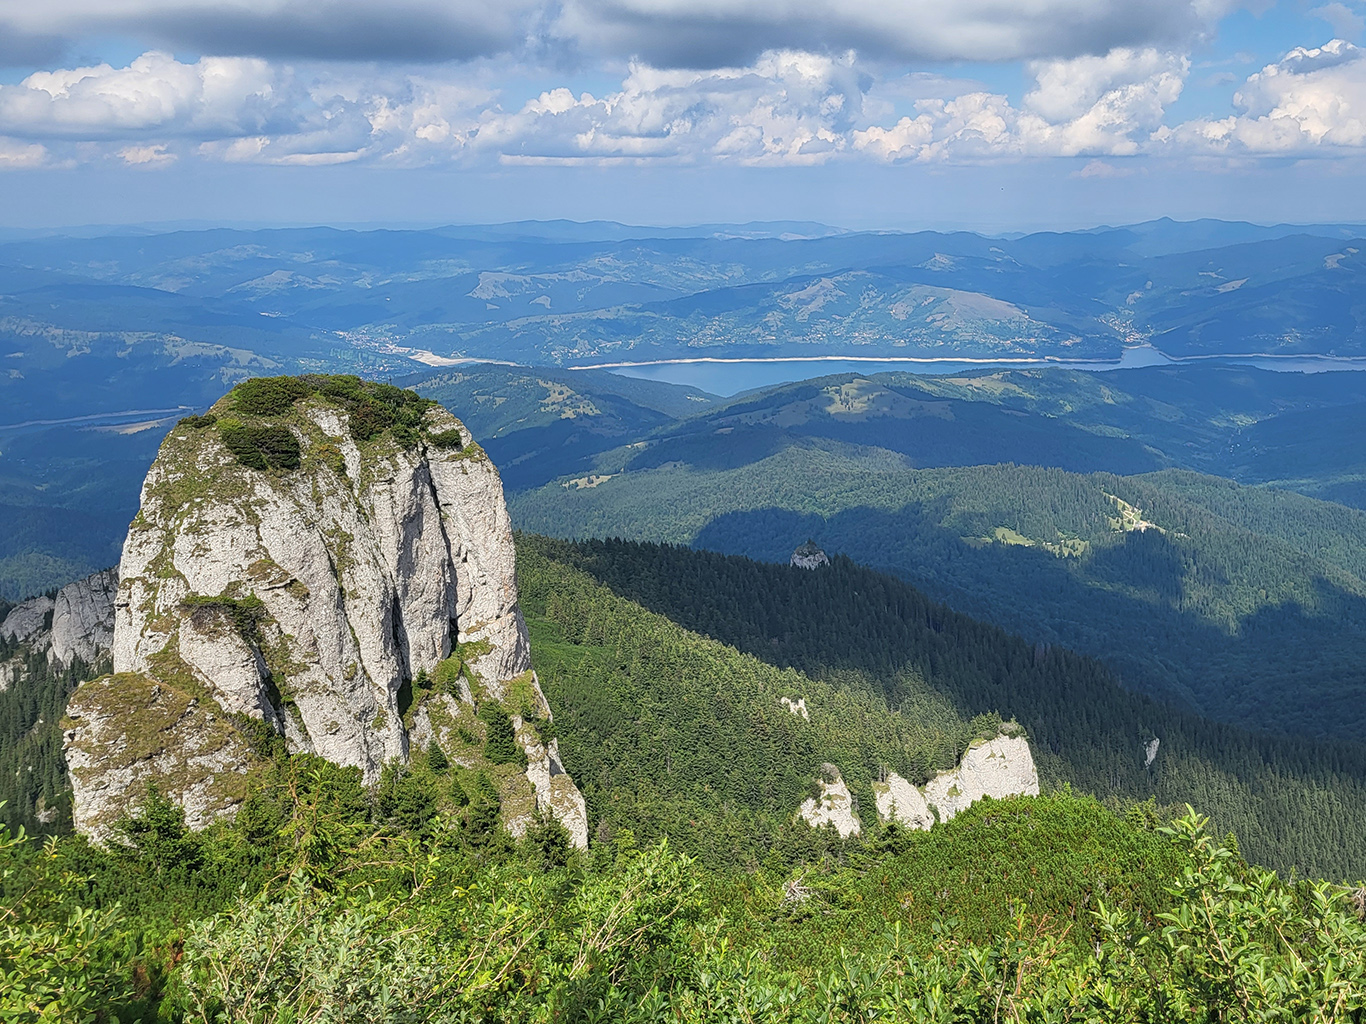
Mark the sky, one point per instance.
(993, 115)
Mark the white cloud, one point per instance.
(215, 96)
(1311, 101)
(1101, 169)
(146, 155)
(789, 107)
(1101, 106)
(15, 154)
(1344, 20)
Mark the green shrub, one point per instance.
(260, 447)
(198, 422)
(500, 744)
(447, 438)
(246, 612)
(270, 396)
(371, 407)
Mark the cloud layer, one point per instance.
(786, 107)
(705, 34)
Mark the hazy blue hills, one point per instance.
(560, 293)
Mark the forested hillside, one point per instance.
(1244, 604)
(670, 732)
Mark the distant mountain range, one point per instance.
(218, 303)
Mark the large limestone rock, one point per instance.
(309, 600)
(78, 623)
(126, 731)
(83, 619)
(899, 801)
(809, 556)
(997, 768)
(834, 806)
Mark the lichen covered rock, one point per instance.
(997, 768)
(126, 732)
(899, 801)
(26, 622)
(809, 556)
(297, 563)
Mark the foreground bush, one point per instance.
(251, 922)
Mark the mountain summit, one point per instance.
(325, 564)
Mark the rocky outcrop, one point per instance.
(83, 620)
(10, 673)
(834, 805)
(1150, 751)
(27, 622)
(124, 732)
(809, 556)
(899, 801)
(77, 624)
(997, 768)
(796, 707)
(555, 790)
(308, 595)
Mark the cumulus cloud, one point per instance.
(215, 96)
(788, 107)
(1311, 101)
(16, 154)
(1088, 106)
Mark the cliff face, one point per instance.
(78, 623)
(304, 571)
(833, 806)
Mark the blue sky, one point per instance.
(863, 113)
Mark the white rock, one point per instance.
(809, 556)
(125, 733)
(835, 805)
(997, 768)
(796, 707)
(1150, 751)
(10, 673)
(83, 620)
(26, 621)
(364, 578)
(556, 793)
(899, 801)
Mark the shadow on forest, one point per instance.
(1284, 667)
